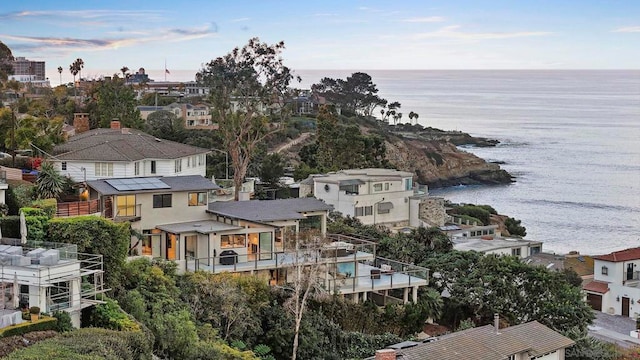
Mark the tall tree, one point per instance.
(166, 125)
(244, 85)
(60, 72)
(357, 93)
(113, 99)
(74, 69)
(80, 65)
(6, 62)
(124, 71)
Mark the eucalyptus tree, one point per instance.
(247, 90)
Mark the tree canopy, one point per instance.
(6, 62)
(113, 99)
(357, 93)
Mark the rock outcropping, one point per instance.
(439, 163)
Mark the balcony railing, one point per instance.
(77, 208)
(129, 213)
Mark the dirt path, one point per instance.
(292, 142)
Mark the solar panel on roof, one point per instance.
(137, 184)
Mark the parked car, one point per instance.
(4, 155)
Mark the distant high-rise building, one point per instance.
(29, 70)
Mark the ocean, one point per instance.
(570, 138)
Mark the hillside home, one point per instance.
(194, 116)
(615, 288)
(488, 240)
(125, 153)
(51, 276)
(531, 340)
(374, 196)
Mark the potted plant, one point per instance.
(35, 313)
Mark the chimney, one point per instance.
(496, 323)
(244, 196)
(385, 354)
(81, 122)
(115, 124)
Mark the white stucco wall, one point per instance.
(556, 355)
(180, 211)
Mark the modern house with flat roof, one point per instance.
(125, 153)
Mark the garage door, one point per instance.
(595, 301)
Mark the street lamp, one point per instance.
(226, 161)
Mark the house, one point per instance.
(51, 276)
(194, 116)
(581, 264)
(148, 201)
(376, 196)
(120, 153)
(530, 340)
(615, 288)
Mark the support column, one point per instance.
(405, 297)
(356, 297)
(323, 224)
(415, 294)
(38, 297)
(364, 296)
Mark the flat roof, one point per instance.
(268, 210)
(202, 227)
(173, 184)
(480, 245)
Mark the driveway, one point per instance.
(614, 329)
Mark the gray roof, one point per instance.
(268, 210)
(175, 183)
(483, 343)
(121, 145)
(202, 227)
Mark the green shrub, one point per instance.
(37, 227)
(478, 212)
(18, 197)
(34, 310)
(32, 211)
(44, 323)
(514, 228)
(89, 344)
(10, 226)
(64, 321)
(48, 206)
(110, 316)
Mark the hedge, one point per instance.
(44, 323)
(32, 211)
(48, 206)
(10, 226)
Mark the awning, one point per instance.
(385, 206)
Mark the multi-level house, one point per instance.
(615, 288)
(374, 196)
(51, 276)
(194, 116)
(120, 153)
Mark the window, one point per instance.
(197, 198)
(232, 241)
(125, 205)
(386, 186)
(515, 252)
(511, 357)
(190, 243)
(64, 165)
(104, 169)
(162, 201)
(136, 168)
(377, 187)
(350, 189)
(153, 166)
(189, 162)
(359, 211)
(178, 165)
(368, 210)
(146, 246)
(605, 270)
(408, 184)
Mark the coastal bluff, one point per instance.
(438, 162)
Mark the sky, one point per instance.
(327, 34)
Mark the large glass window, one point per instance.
(197, 198)
(161, 201)
(232, 241)
(408, 184)
(191, 244)
(153, 166)
(136, 168)
(178, 165)
(377, 187)
(125, 205)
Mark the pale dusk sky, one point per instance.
(354, 35)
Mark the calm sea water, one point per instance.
(571, 138)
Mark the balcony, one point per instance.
(78, 208)
(128, 213)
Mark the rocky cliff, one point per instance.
(439, 163)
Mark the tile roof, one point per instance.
(483, 343)
(600, 287)
(175, 183)
(121, 145)
(268, 210)
(622, 255)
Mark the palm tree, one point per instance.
(80, 63)
(74, 69)
(60, 72)
(124, 70)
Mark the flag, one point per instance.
(166, 71)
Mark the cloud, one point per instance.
(452, 32)
(68, 44)
(84, 14)
(240, 19)
(627, 29)
(428, 19)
